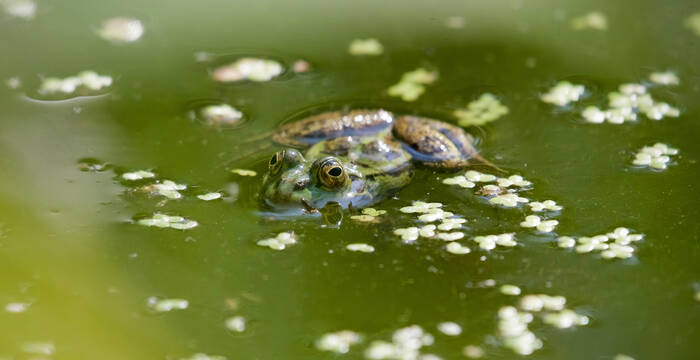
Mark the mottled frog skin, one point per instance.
(357, 158)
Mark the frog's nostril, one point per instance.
(301, 185)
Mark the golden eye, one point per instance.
(331, 173)
(275, 162)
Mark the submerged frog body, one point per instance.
(358, 158)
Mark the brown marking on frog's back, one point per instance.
(331, 125)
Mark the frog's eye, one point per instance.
(275, 162)
(331, 173)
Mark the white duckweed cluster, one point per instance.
(656, 156)
(167, 188)
(23, 9)
(513, 180)
(39, 348)
(534, 221)
(626, 103)
(475, 176)
(473, 351)
(592, 21)
(209, 196)
(338, 342)
(244, 172)
(138, 175)
(623, 357)
(565, 319)
(279, 242)
(86, 80)
(236, 324)
(361, 47)
(431, 212)
(17, 307)
(563, 93)
(166, 305)
(613, 245)
(368, 215)
(457, 248)
(405, 345)
(360, 247)
(167, 221)
(248, 68)
(508, 200)
(121, 30)
(221, 114)
(547, 205)
(203, 356)
(485, 109)
(692, 23)
(513, 331)
(459, 180)
(451, 224)
(666, 78)
(449, 328)
(412, 84)
(489, 242)
(508, 289)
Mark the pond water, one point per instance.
(81, 279)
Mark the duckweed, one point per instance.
(121, 30)
(17, 307)
(667, 78)
(510, 290)
(409, 234)
(692, 22)
(536, 222)
(434, 215)
(164, 221)
(550, 205)
(167, 188)
(485, 109)
(623, 357)
(475, 176)
(457, 248)
(39, 348)
(280, 242)
(412, 84)
(24, 9)
(619, 248)
(236, 324)
(86, 81)
(656, 156)
(248, 68)
(459, 180)
(565, 319)
(514, 332)
(508, 200)
(138, 175)
(563, 93)
(516, 180)
(361, 247)
(489, 242)
(244, 172)
(166, 305)
(210, 196)
(202, 356)
(449, 328)
(450, 236)
(420, 207)
(451, 224)
(626, 103)
(406, 344)
(338, 342)
(369, 46)
(221, 114)
(473, 351)
(592, 21)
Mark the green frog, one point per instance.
(357, 158)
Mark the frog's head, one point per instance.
(292, 181)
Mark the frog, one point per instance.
(357, 158)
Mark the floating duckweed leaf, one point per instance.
(508, 200)
(473, 351)
(167, 188)
(536, 222)
(248, 68)
(24, 9)
(220, 114)
(516, 180)
(539, 302)
(481, 111)
(121, 30)
(454, 22)
(451, 224)
(373, 212)
(202, 356)
(412, 84)
(138, 175)
(451, 236)
(164, 221)
(301, 66)
(166, 305)
(594, 20)
(626, 103)
(550, 205)
(623, 357)
(475, 176)
(361, 247)
(280, 242)
(617, 249)
(39, 348)
(338, 342)
(513, 330)
(236, 324)
(17, 308)
(457, 248)
(420, 207)
(563, 94)
(510, 289)
(364, 218)
(244, 172)
(427, 231)
(692, 22)
(86, 81)
(369, 46)
(406, 344)
(459, 180)
(210, 196)
(656, 156)
(489, 242)
(566, 242)
(565, 319)
(407, 234)
(664, 78)
(449, 328)
(434, 215)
